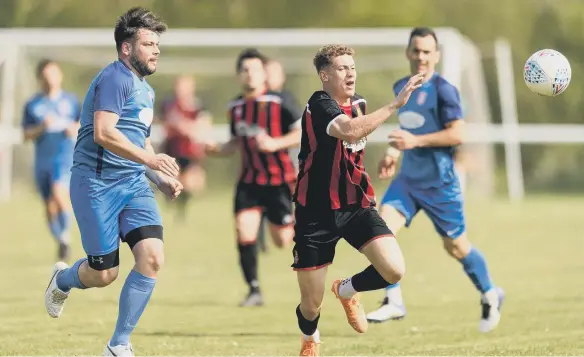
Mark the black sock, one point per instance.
(307, 327)
(368, 280)
(248, 258)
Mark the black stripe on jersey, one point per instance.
(99, 166)
(269, 120)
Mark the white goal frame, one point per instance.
(452, 43)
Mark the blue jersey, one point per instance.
(429, 109)
(118, 90)
(53, 144)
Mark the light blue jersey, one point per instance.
(427, 179)
(111, 196)
(118, 90)
(429, 109)
(53, 148)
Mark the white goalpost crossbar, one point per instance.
(453, 47)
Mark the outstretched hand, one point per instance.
(413, 83)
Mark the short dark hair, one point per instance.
(43, 63)
(423, 32)
(132, 21)
(249, 53)
(324, 56)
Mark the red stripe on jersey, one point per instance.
(274, 170)
(261, 178)
(335, 176)
(312, 143)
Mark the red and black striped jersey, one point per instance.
(271, 114)
(331, 172)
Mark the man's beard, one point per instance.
(141, 67)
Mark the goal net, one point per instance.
(209, 56)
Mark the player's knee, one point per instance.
(282, 235)
(154, 261)
(52, 208)
(457, 248)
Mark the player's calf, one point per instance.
(311, 283)
(475, 267)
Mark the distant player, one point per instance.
(431, 128)
(51, 120)
(276, 78)
(111, 197)
(334, 196)
(186, 122)
(263, 128)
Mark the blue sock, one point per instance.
(69, 278)
(391, 286)
(133, 300)
(55, 228)
(475, 267)
(64, 221)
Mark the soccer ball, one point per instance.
(547, 72)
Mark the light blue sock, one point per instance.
(64, 221)
(392, 286)
(69, 278)
(133, 300)
(55, 228)
(475, 267)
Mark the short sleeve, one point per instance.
(449, 103)
(111, 93)
(323, 111)
(291, 113)
(28, 118)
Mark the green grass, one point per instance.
(534, 250)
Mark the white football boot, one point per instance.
(387, 311)
(55, 297)
(491, 303)
(121, 350)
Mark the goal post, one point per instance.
(209, 54)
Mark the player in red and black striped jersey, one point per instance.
(186, 121)
(334, 197)
(263, 127)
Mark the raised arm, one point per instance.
(352, 130)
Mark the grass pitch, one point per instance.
(534, 250)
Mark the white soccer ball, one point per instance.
(547, 72)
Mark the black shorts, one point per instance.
(317, 234)
(275, 201)
(185, 162)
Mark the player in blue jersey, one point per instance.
(110, 194)
(51, 120)
(430, 129)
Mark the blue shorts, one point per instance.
(109, 210)
(443, 205)
(57, 173)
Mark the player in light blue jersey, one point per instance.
(51, 120)
(110, 194)
(430, 130)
